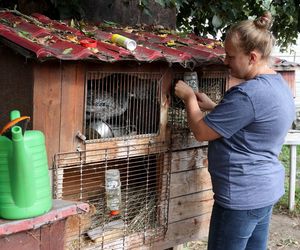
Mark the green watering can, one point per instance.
(24, 178)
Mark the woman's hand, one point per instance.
(193, 102)
(184, 91)
(204, 102)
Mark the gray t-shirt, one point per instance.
(253, 119)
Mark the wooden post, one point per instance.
(293, 166)
(292, 139)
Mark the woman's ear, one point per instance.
(254, 56)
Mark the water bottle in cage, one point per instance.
(113, 191)
(191, 79)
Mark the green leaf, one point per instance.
(109, 23)
(23, 34)
(67, 51)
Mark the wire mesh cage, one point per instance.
(212, 83)
(121, 105)
(143, 205)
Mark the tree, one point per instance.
(214, 16)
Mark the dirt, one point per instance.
(284, 234)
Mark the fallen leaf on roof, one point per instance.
(46, 40)
(128, 29)
(163, 35)
(72, 38)
(67, 51)
(23, 34)
(171, 43)
(95, 50)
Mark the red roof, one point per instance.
(48, 39)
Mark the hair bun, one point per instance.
(264, 21)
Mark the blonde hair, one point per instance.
(252, 35)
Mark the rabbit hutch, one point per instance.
(106, 110)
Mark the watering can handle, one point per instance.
(13, 123)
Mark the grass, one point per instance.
(282, 205)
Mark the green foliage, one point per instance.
(284, 156)
(215, 16)
(282, 205)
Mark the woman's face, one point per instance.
(236, 60)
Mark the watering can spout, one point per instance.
(15, 114)
(17, 133)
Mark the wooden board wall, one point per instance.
(191, 198)
(58, 97)
(72, 105)
(47, 103)
(48, 237)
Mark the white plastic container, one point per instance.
(124, 42)
(113, 191)
(191, 79)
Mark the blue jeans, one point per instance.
(239, 229)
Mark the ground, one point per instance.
(284, 234)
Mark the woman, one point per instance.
(245, 131)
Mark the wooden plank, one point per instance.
(59, 211)
(127, 67)
(52, 236)
(75, 225)
(144, 240)
(292, 138)
(185, 140)
(121, 148)
(28, 240)
(47, 104)
(73, 84)
(184, 231)
(112, 150)
(293, 175)
(45, 238)
(57, 234)
(189, 159)
(190, 206)
(108, 232)
(183, 183)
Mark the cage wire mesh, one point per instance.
(125, 106)
(144, 177)
(122, 105)
(212, 83)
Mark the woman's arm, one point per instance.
(201, 131)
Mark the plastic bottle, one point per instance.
(191, 79)
(113, 191)
(124, 42)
